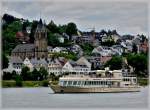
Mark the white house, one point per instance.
(61, 39)
(54, 66)
(103, 51)
(115, 37)
(77, 50)
(38, 63)
(59, 49)
(80, 66)
(27, 63)
(15, 64)
(49, 49)
(67, 67)
(11, 69)
(127, 46)
(84, 61)
(105, 38)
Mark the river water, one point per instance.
(45, 98)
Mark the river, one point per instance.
(44, 97)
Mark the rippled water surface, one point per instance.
(45, 98)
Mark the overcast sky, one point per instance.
(126, 17)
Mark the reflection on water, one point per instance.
(44, 98)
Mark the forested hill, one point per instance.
(11, 25)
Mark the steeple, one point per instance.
(40, 22)
(40, 40)
(41, 26)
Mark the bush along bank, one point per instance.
(18, 83)
(143, 81)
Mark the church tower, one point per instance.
(40, 41)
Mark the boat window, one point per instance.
(99, 82)
(64, 83)
(79, 82)
(90, 82)
(69, 83)
(75, 82)
(82, 82)
(105, 82)
(95, 82)
(85, 83)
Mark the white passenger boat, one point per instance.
(98, 82)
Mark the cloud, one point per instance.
(128, 17)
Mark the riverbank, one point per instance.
(12, 83)
(45, 83)
(143, 81)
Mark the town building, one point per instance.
(15, 64)
(80, 66)
(55, 66)
(38, 48)
(27, 63)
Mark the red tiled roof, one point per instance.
(19, 34)
(104, 59)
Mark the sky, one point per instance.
(125, 17)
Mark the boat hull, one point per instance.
(60, 89)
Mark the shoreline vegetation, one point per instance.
(13, 83)
(45, 83)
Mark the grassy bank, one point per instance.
(12, 83)
(143, 81)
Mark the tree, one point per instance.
(52, 40)
(87, 48)
(109, 33)
(8, 18)
(103, 32)
(26, 74)
(45, 83)
(33, 28)
(139, 63)
(143, 38)
(71, 29)
(18, 80)
(13, 74)
(53, 27)
(62, 29)
(108, 43)
(35, 74)
(8, 36)
(115, 63)
(43, 73)
(114, 32)
(25, 25)
(7, 76)
(4, 61)
(134, 49)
